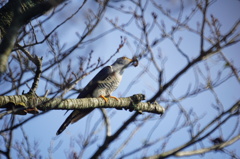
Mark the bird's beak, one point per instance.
(134, 61)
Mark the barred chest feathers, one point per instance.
(107, 86)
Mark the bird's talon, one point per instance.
(114, 98)
(32, 110)
(104, 98)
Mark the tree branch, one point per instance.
(204, 150)
(23, 102)
(234, 110)
(110, 139)
(23, 12)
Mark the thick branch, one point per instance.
(22, 12)
(42, 103)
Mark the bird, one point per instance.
(102, 85)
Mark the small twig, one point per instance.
(107, 122)
(38, 62)
(204, 150)
(204, 12)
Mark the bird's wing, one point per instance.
(92, 85)
(86, 92)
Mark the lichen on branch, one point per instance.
(132, 103)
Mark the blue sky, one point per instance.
(43, 128)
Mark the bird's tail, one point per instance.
(72, 118)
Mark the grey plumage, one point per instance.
(103, 84)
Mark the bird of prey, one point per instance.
(102, 85)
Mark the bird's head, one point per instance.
(123, 62)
